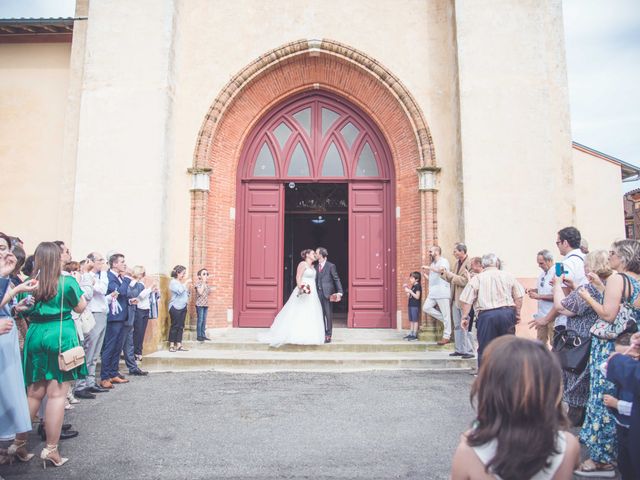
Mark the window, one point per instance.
(299, 166)
(265, 166)
(367, 166)
(332, 165)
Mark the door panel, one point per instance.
(370, 256)
(262, 262)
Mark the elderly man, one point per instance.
(458, 279)
(543, 293)
(497, 297)
(439, 292)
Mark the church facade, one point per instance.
(230, 135)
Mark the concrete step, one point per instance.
(305, 360)
(334, 346)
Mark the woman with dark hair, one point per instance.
(520, 429)
(15, 417)
(598, 432)
(179, 288)
(580, 319)
(51, 331)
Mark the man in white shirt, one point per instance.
(93, 340)
(568, 242)
(439, 292)
(543, 293)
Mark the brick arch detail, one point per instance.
(283, 72)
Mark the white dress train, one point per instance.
(300, 321)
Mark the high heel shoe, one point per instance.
(45, 455)
(15, 450)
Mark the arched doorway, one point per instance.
(315, 159)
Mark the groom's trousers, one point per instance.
(327, 311)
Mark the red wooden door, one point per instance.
(315, 137)
(370, 258)
(262, 230)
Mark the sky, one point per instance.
(603, 65)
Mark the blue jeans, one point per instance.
(201, 329)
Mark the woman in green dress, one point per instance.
(51, 331)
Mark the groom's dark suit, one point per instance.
(327, 282)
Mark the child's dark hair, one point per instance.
(416, 276)
(624, 339)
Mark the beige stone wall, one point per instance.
(34, 80)
(514, 117)
(599, 206)
(124, 138)
(216, 39)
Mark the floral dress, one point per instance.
(598, 432)
(576, 386)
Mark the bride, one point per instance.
(300, 321)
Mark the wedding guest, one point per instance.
(117, 315)
(543, 293)
(520, 431)
(458, 279)
(598, 432)
(179, 288)
(98, 307)
(414, 294)
(496, 297)
(580, 319)
(57, 295)
(439, 292)
(624, 371)
(136, 289)
(202, 304)
(142, 308)
(15, 420)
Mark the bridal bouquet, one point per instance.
(304, 289)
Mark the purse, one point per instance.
(74, 357)
(572, 350)
(87, 321)
(625, 319)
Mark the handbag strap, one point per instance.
(61, 315)
(626, 287)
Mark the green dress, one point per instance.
(42, 343)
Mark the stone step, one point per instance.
(255, 361)
(334, 346)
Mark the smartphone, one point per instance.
(559, 269)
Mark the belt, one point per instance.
(494, 309)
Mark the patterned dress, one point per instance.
(598, 432)
(576, 386)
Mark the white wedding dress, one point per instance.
(300, 321)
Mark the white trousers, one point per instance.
(463, 338)
(442, 313)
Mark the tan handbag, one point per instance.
(74, 357)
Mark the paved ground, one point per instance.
(205, 425)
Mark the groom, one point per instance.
(328, 283)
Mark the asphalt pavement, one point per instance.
(209, 425)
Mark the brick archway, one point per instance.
(291, 69)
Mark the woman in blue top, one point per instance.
(599, 428)
(179, 288)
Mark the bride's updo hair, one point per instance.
(305, 252)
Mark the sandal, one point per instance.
(182, 349)
(589, 468)
(172, 349)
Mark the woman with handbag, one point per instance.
(52, 355)
(598, 432)
(580, 319)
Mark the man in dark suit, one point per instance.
(328, 283)
(116, 319)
